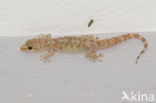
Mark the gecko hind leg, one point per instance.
(47, 56)
(92, 55)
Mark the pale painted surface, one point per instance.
(30, 17)
(71, 78)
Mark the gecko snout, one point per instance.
(23, 48)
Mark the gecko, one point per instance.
(74, 44)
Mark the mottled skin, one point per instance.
(74, 44)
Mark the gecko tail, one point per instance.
(106, 43)
(137, 36)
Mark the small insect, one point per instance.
(90, 22)
(97, 37)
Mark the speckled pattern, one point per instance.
(73, 44)
(70, 78)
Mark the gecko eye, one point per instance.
(29, 47)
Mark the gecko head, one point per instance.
(32, 45)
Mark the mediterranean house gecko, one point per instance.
(74, 44)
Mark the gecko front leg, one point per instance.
(92, 55)
(47, 56)
(46, 36)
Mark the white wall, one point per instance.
(71, 78)
(29, 17)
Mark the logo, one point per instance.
(137, 97)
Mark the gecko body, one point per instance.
(74, 44)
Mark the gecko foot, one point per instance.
(92, 56)
(44, 58)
